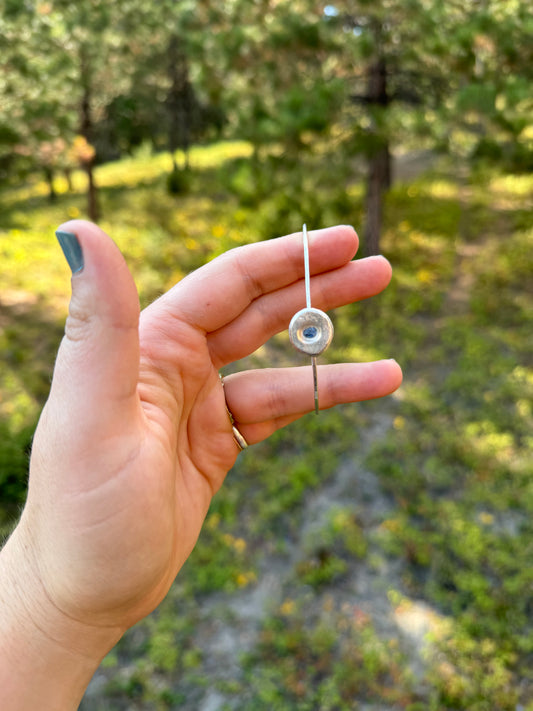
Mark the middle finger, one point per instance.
(272, 312)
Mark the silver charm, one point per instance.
(310, 330)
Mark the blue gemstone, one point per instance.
(310, 332)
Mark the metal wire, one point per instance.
(315, 383)
(306, 265)
(308, 303)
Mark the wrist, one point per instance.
(46, 658)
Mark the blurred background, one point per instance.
(378, 557)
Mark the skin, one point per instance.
(135, 440)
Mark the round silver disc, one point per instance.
(311, 331)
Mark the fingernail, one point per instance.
(71, 249)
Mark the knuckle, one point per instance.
(78, 324)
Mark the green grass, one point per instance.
(455, 462)
(323, 663)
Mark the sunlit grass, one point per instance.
(518, 187)
(144, 167)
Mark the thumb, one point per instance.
(97, 365)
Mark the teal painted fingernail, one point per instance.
(71, 249)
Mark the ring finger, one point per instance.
(263, 401)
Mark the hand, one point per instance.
(135, 438)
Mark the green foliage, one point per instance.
(14, 456)
(323, 568)
(324, 662)
(458, 464)
(331, 547)
(222, 561)
(280, 190)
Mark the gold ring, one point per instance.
(238, 437)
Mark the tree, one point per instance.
(276, 95)
(493, 56)
(33, 121)
(391, 54)
(71, 64)
(176, 68)
(300, 69)
(283, 73)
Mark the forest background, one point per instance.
(378, 556)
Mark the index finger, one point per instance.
(218, 292)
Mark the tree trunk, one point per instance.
(86, 130)
(67, 172)
(92, 195)
(179, 101)
(379, 160)
(49, 175)
(378, 180)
